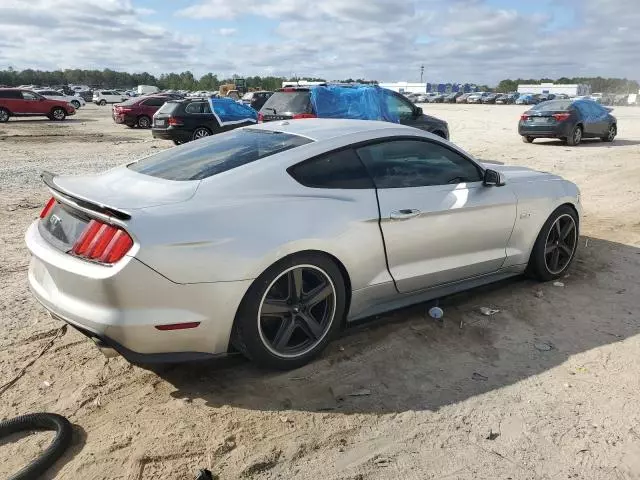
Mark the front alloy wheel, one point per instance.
(611, 134)
(58, 114)
(4, 115)
(560, 244)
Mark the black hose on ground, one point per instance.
(39, 421)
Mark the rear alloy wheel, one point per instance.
(76, 104)
(611, 134)
(4, 115)
(576, 136)
(527, 139)
(58, 114)
(555, 246)
(200, 132)
(290, 312)
(144, 122)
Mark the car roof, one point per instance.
(324, 128)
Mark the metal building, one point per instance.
(575, 90)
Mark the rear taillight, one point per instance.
(524, 117)
(304, 115)
(260, 117)
(47, 208)
(175, 121)
(102, 242)
(561, 117)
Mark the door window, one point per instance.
(398, 106)
(30, 96)
(198, 107)
(415, 163)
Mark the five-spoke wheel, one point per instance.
(290, 311)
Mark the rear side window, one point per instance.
(154, 102)
(168, 108)
(288, 102)
(10, 94)
(342, 169)
(198, 107)
(219, 153)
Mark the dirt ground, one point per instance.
(547, 388)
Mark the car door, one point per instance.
(439, 222)
(401, 108)
(32, 104)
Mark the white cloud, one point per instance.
(227, 32)
(458, 40)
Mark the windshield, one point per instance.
(297, 101)
(553, 105)
(219, 153)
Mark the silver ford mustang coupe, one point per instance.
(270, 238)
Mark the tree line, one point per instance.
(598, 84)
(111, 79)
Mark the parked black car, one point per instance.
(256, 99)
(188, 119)
(569, 120)
(452, 97)
(491, 98)
(295, 102)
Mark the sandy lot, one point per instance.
(400, 398)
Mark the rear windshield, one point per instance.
(131, 101)
(206, 157)
(288, 102)
(553, 105)
(168, 108)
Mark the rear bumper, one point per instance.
(122, 305)
(559, 130)
(171, 133)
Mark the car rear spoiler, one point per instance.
(81, 203)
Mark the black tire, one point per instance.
(440, 134)
(76, 104)
(527, 139)
(247, 335)
(102, 103)
(144, 121)
(4, 115)
(40, 421)
(58, 114)
(177, 142)
(575, 137)
(538, 267)
(200, 132)
(611, 133)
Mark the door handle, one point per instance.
(404, 214)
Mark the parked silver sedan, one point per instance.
(268, 239)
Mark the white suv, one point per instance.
(75, 100)
(102, 97)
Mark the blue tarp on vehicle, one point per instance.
(358, 102)
(229, 112)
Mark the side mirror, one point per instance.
(418, 111)
(493, 178)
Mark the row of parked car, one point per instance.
(483, 97)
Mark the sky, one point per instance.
(476, 41)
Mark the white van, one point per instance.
(147, 89)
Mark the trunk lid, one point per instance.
(124, 189)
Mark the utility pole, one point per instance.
(421, 72)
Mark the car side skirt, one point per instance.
(378, 299)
